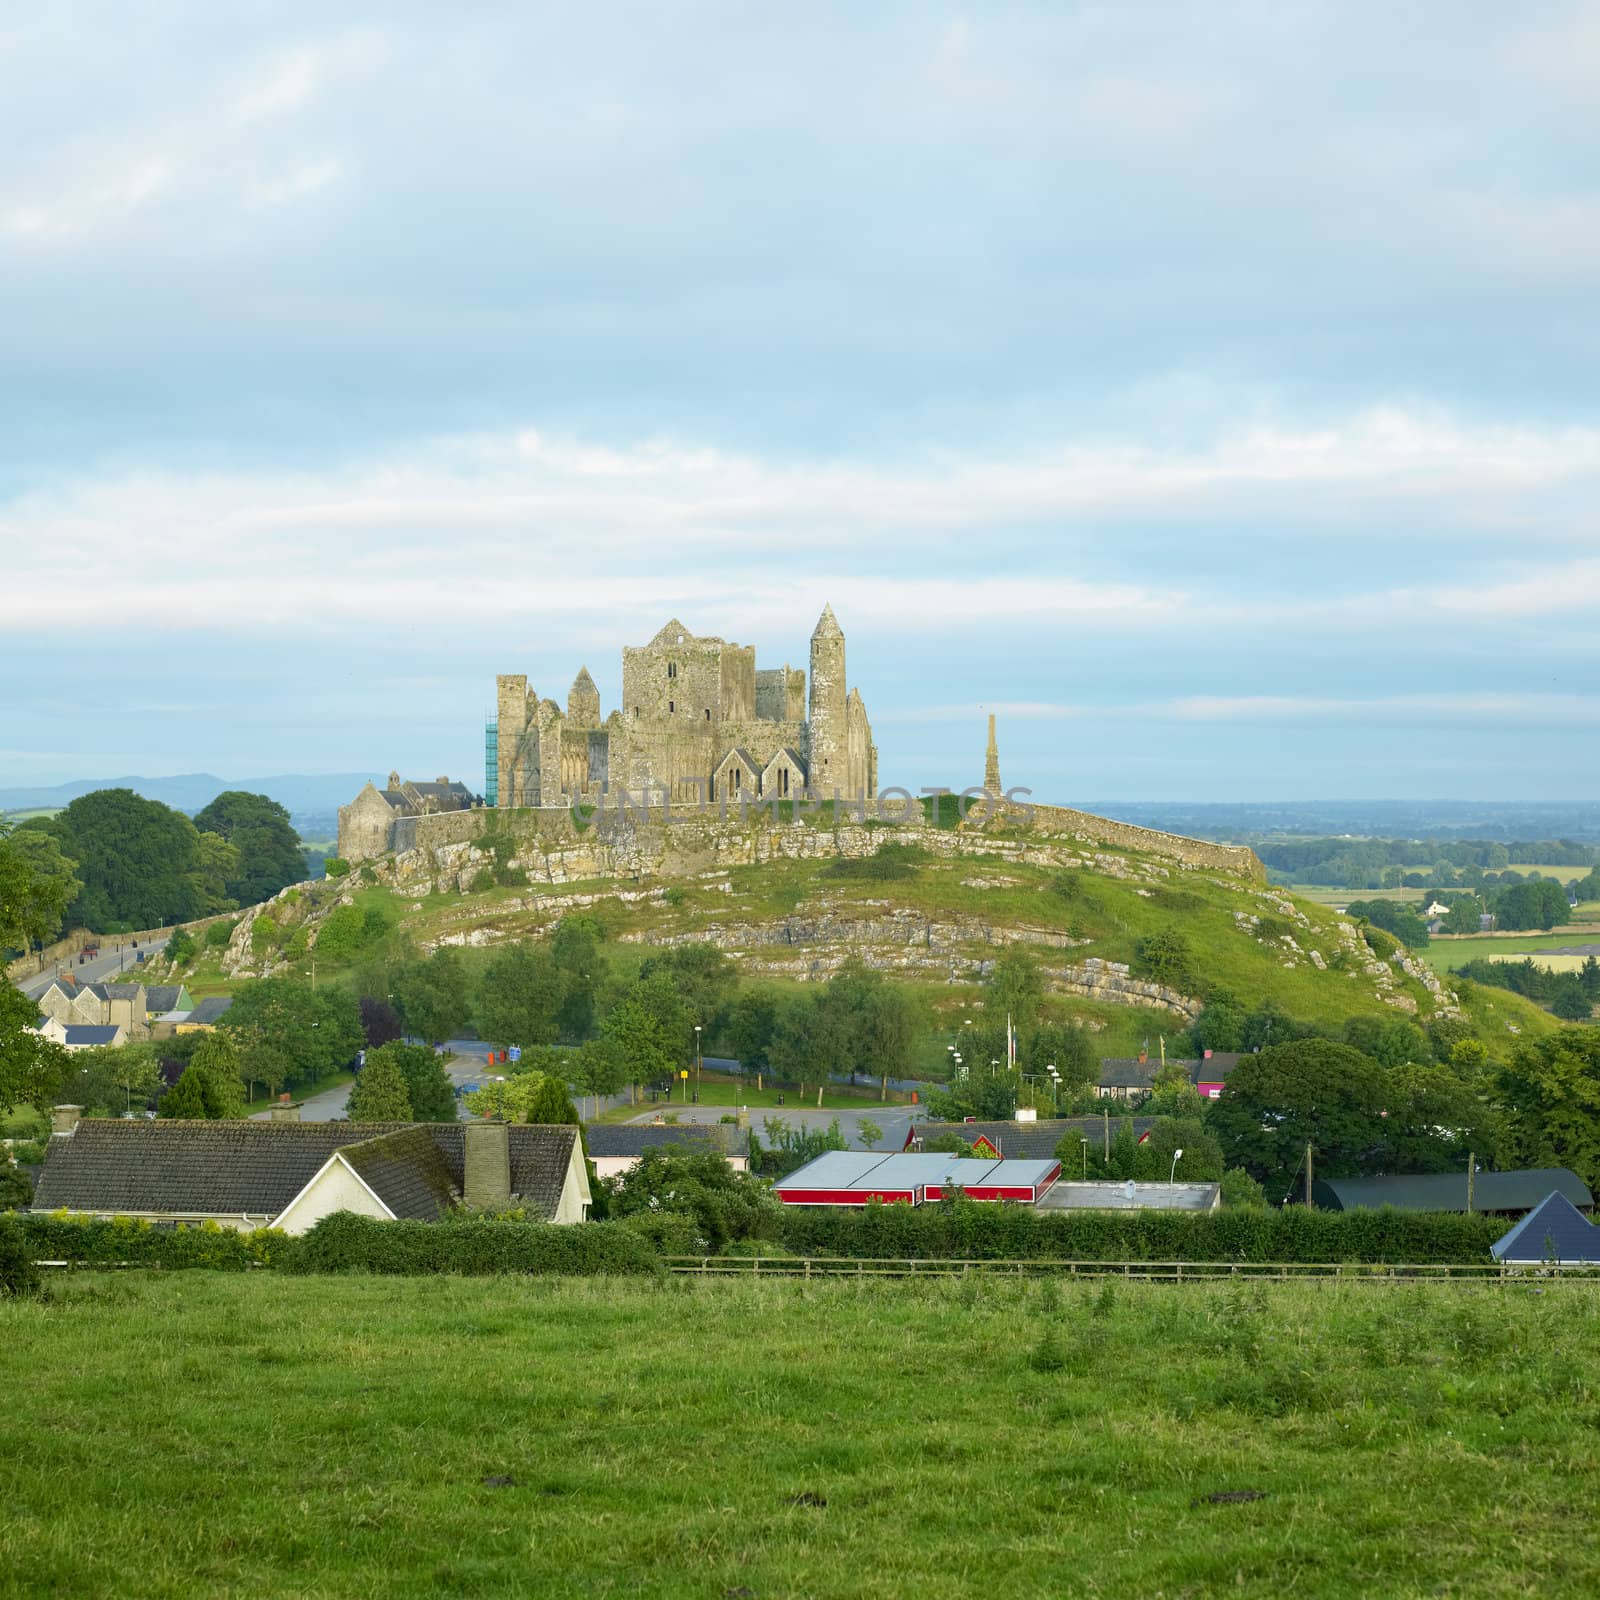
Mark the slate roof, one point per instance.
(88, 1034)
(209, 1009)
(1033, 1141)
(230, 1169)
(407, 1171)
(633, 1139)
(1447, 1191)
(1216, 1067)
(162, 996)
(1129, 1072)
(1555, 1230)
(119, 991)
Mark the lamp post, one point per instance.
(1171, 1176)
(698, 1063)
(1085, 1143)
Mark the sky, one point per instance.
(1213, 393)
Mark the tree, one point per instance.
(193, 1098)
(317, 1031)
(379, 1093)
(215, 862)
(1241, 1192)
(1589, 979)
(30, 1066)
(431, 994)
(724, 1205)
(598, 1069)
(37, 884)
(428, 1089)
(532, 1097)
(752, 1019)
(1465, 915)
(519, 996)
(136, 860)
(1569, 1002)
(217, 1059)
(1400, 1041)
(1221, 1025)
(1015, 987)
(379, 1023)
(1068, 1048)
(575, 947)
(1551, 1093)
(268, 854)
(1307, 1091)
(1172, 1094)
(789, 1148)
(180, 949)
(705, 980)
(648, 1028)
(1163, 957)
(868, 1132)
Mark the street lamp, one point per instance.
(1085, 1143)
(697, 1060)
(1174, 1173)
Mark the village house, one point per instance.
(616, 1149)
(289, 1174)
(120, 1005)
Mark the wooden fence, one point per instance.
(1133, 1271)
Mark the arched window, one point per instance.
(671, 707)
(708, 713)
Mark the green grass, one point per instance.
(1446, 955)
(265, 1436)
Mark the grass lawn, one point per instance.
(192, 1433)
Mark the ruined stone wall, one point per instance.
(781, 695)
(517, 740)
(1235, 858)
(364, 827)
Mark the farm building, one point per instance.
(1555, 1231)
(853, 1177)
(1505, 1193)
(616, 1148)
(290, 1174)
(1130, 1196)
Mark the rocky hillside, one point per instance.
(934, 908)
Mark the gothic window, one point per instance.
(672, 669)
(708, 713)
(671, 708)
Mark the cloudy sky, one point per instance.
(1212, 392)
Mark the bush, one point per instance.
(87, 1242)
(180, 949)
(891, 863)
(18, 1274)
(219, 933)
(482, 881)
(476, 1246)
(968, 1230)
(15, 1190)
(335, 866)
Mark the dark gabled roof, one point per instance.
(1129, 1072)
(1216, 1067)
(98, 990)
(744, 755)
(633, 1139)
(209, 1009)
(1032, 1141)
(1447, 1191)
(441, 791)
(1555, 1230)
(120, 991)
(256, 1168)
(162, 996)
(407, 1171)
(91, 1033)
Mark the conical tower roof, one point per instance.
(827, 625)
(583, 680)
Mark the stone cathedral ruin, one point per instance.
(699, 721)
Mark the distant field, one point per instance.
(1445, 955)
(195, 1433)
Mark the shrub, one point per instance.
(336, 866)
(1163, 957)
(482, 880)
(18, 1274)
(180, 948)
(219, 933)
(967, 1230)
(87, 1242)
(892, 862)
(475, 1246)
(15, 1190)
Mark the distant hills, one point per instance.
(300, 794)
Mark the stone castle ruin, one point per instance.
(698, 722)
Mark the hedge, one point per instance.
(974, 1232)
(345, 1242)
(83, 1241)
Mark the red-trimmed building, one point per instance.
(853, 1177)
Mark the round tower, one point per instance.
(828, 759)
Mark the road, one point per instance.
(116, 965)
(469, 1067)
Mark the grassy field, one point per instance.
(265, 1436)
(719, 1090)
(1446, 955)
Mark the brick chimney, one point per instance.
(64, 1119)
(486, 1164)
(285, 1110)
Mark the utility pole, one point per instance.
(1107, 1116)
(1472, 1166)
(1308, 1174)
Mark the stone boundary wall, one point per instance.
(550, 845)
(69, 944)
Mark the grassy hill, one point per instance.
(932, 911)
